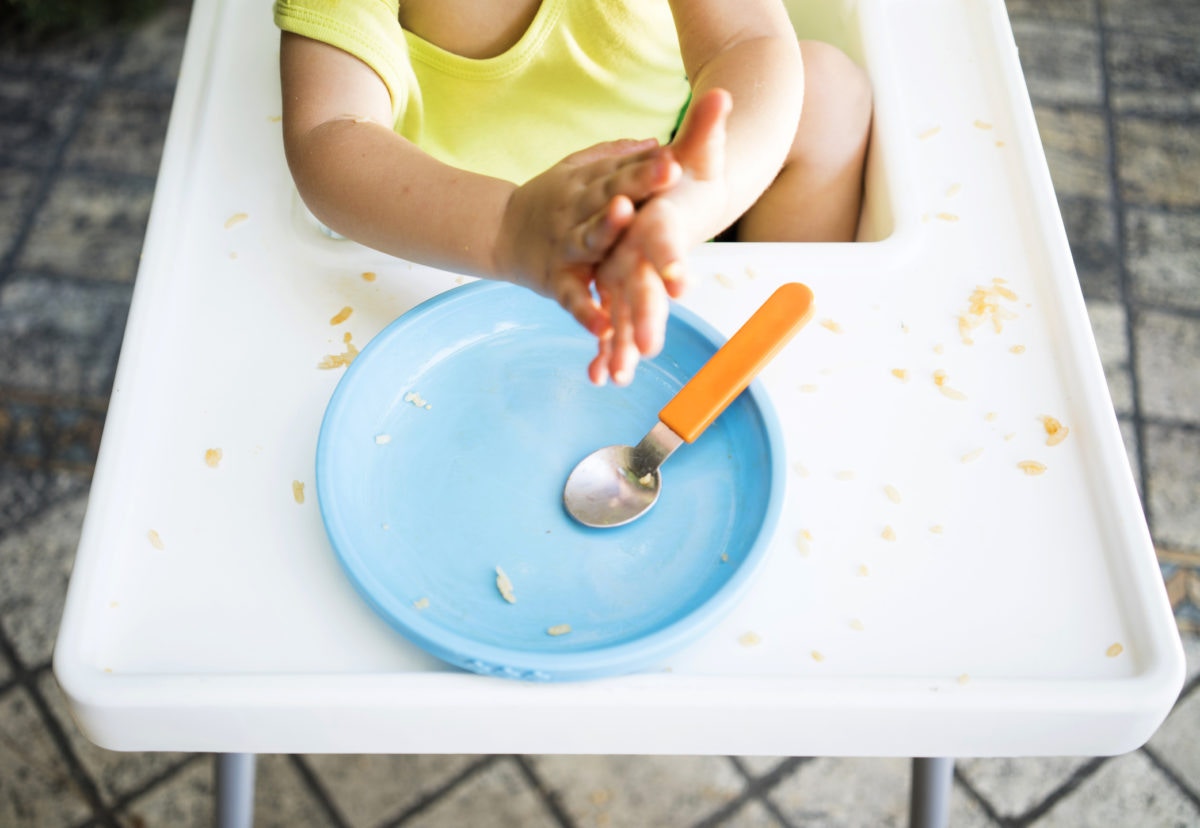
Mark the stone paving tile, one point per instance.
(186, 800)
(35, 114)
(1168, 350)
(370, 789)
(50, 433)
(1154, 73)
(1108, 327)
(1175, 743)
(66, 335)
(17, 186)
(35, 563)
(1061, 62)
(90, 226)
(640, 790)
(861, 793)
(154, 48)
(750, 815)
(1151, 15)
(1172, 456)
(1073, 11)
(758, 766)
(36, 788)
(116, 773)
(1015, 786)
(1076, 145)
(1091, 227)
(1163, 257)
(1159, 161)
(78, 55)
(1127, 790)
(122, 131)
(24, 492)
(499, 796)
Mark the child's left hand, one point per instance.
(645, 269)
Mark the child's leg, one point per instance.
(817, 196)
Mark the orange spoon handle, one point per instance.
(738, 361)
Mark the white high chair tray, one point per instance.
(924, 594)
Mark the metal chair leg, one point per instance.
(932, 781)
(235, 790)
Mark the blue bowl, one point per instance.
(443, 455)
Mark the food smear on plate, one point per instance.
(212, 457)
(1032, 467)
(749, 639)
(155, 540)
(341, 316)
(341, 360)
(1056, 432)
(298, 491)
(235, 220)
(559, 629)
(416, 400)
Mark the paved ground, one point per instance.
(81, 126)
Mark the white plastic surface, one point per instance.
(991, 636)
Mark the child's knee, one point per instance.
(836, 116)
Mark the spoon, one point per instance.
(618, 484)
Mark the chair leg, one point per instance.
(932, 781)
(235, 790)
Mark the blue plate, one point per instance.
(443, 455)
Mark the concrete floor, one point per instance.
(82, 120)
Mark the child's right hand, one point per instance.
(560, 225)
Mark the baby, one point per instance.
(579, 148)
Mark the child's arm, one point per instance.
(743, 60)
(365, 181)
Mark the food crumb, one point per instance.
(235, 220)
(893, 494)
(972, 456)
(341, 316)
(817, 656)
(415, 399)
(1017, 349)
(963, 679)
(937, 529)
(804, 542)
(939, 378)
(808, 388)
(953, 190)
(800, 469)
(1056, 432)
(341, 360)
(505, 586)
(831, 325)
(723, 280)
(749, 639)
(982, 124)
(559, 629)
(900, 374)
(212, 457)
(1115, 650)
(888, 533)
(863, 570)
(991, 416)
(952, 393)
(946, 216)
(845, 474)
(724, 557)
(382, 439)
(929, 133)
(1031, 467)
(421, 603)
(155, 540)
(298, 491)
(857, 624)
(368, 276)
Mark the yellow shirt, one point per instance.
(585, 71)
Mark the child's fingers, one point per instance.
(572, 292)
(641, 178)
(700, 144)
(592, 238)
(623, 358)
(598, 367)
(660, 241)
(611, 149)
(649, 307)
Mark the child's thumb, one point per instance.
(700, 145)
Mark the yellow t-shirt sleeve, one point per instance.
(367, 29)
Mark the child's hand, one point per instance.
(646, 266)
(558, 226)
